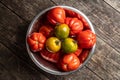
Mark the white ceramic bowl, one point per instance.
(45, 65)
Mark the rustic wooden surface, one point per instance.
(15, 16)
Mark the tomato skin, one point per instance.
(78, 52)
(69, 62)
(70, 13)
(36, 41)
(53, 44)
(56, 15)
(86, 25)
(49, 56)
(86, 39)
(84, 55)
(75, 25)
(46, 30)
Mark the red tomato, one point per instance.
(78, 52)
(70, 13)
(49, 56)
(84, 55)
(86, 25)
(69, 62)
(56, 15)
(86, 39)
(46, 30)
(75, 25)
(36, 41)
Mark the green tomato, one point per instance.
(62, 31)
(69, 45)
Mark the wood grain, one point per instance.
(27, 9)
(12, 68)
(105, 62)
(114, 3)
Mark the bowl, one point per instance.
(39, 61)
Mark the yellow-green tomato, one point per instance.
(62, 31)
(69, 45)
(53, 44)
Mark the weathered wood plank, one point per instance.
(15, 41)
(12, 68)
(12, 26)
(114, 3)
(83, 74)
(105, 62)
(27, 9)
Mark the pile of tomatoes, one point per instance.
(64, 38)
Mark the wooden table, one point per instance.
(15, 16)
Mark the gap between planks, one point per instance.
(111, 6)
(13, 11)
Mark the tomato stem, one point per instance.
(57, 42)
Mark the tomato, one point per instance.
(56, 15)
(75, 25)
(49, 56)
(46, 30)
(70, 13)
(36, 41)
(84, 55)
(78, 51)
(62, 31)
(86, 25)
(69, 45)
(53, 44)
(69, 62)
(86, 39)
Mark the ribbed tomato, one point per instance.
(36, 41)
(46, 30)
(86, 39)
(49, 56)
(69, 62)
(75, 25)
(78, 51)
(84, 55)
(70, 13)
(56, 15)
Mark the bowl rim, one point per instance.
(33, 57)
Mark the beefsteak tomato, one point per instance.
(36, 41)
(56, 15)
(84, 55)
(49, 56)
(86, 39)
(71, 14)
(75, 25)
(86, 25)
(46, 30)
(78, 51)
(69, 62)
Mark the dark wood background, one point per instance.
(15, 17)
